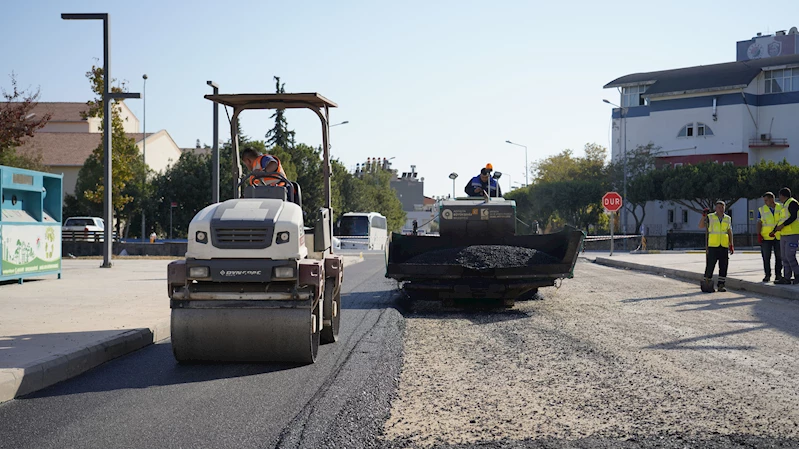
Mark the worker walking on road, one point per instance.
(788, 226)
(767, 217)
(483, 184)
(719, 243)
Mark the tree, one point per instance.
(128, 168)
(699, 186)
(17, 124)
(565, 189)
(771, 177)
(640, 162)
(280, 135)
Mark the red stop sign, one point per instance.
(611, 201)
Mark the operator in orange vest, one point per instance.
(264, 162)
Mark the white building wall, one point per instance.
(161, 151)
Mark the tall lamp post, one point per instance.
(144, 149)
(215, 148)
(108, 204)
(623, 139)
(526, 165)
(342, 123)
(453, 176)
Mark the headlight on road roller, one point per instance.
(201, 237)
(283, 237)
(199, 272)
(283, 273)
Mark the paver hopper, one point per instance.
(479, 256)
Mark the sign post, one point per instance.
(171, 206)
(612, 202)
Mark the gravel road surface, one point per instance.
(613, 358)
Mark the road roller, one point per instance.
(259, 282)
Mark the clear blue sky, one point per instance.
(438, 84)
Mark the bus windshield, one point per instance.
(354, 227)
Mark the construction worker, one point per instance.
(767, 217)
(789, 240)
(263, 162)
(483, 184)
(719, 243)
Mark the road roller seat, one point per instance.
(291, 192)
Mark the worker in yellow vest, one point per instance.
(788, 225)
(719, 244)
(767, 217)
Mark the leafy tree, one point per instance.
(699, 186)
(128, 168)
(280, 135)
(640, 162)
(771, 177)
(16, 125)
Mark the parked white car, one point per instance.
(83, 229)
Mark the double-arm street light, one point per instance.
(108, 204)
(623, 139)
(526, 166)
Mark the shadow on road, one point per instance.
(153, 367)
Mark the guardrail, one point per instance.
(85, 236)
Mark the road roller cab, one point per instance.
(258, 283)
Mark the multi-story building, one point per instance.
(68, 139)
(738, 113)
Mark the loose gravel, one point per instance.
(484, 257)
(611, 359)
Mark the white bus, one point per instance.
(362, 230)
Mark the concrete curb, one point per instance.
(15, 382)
(779, 291)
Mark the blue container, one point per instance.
(30, 223)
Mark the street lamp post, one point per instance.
(144, 149)
(623, 139)
(342, 123)
(526, 165)
(108, 204)
(453, 176)
(215, 149)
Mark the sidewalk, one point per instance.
(745, 270)
(52, 330)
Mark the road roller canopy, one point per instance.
(272, 101)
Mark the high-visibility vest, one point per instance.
(268, 180)
(792, 228)
(769, 220)
(718, 231)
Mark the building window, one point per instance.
(687, 131)
(728, 163)
(631, 96)
(671, 215)
(703, 130)
(783, 80)
(685, 216)
(677, 164)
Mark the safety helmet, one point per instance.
(489, 166)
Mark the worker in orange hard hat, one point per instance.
(483, 184)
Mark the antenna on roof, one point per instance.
(793, 30)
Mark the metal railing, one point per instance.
(759, 143)
(85, 236)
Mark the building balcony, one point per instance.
(766, 141)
